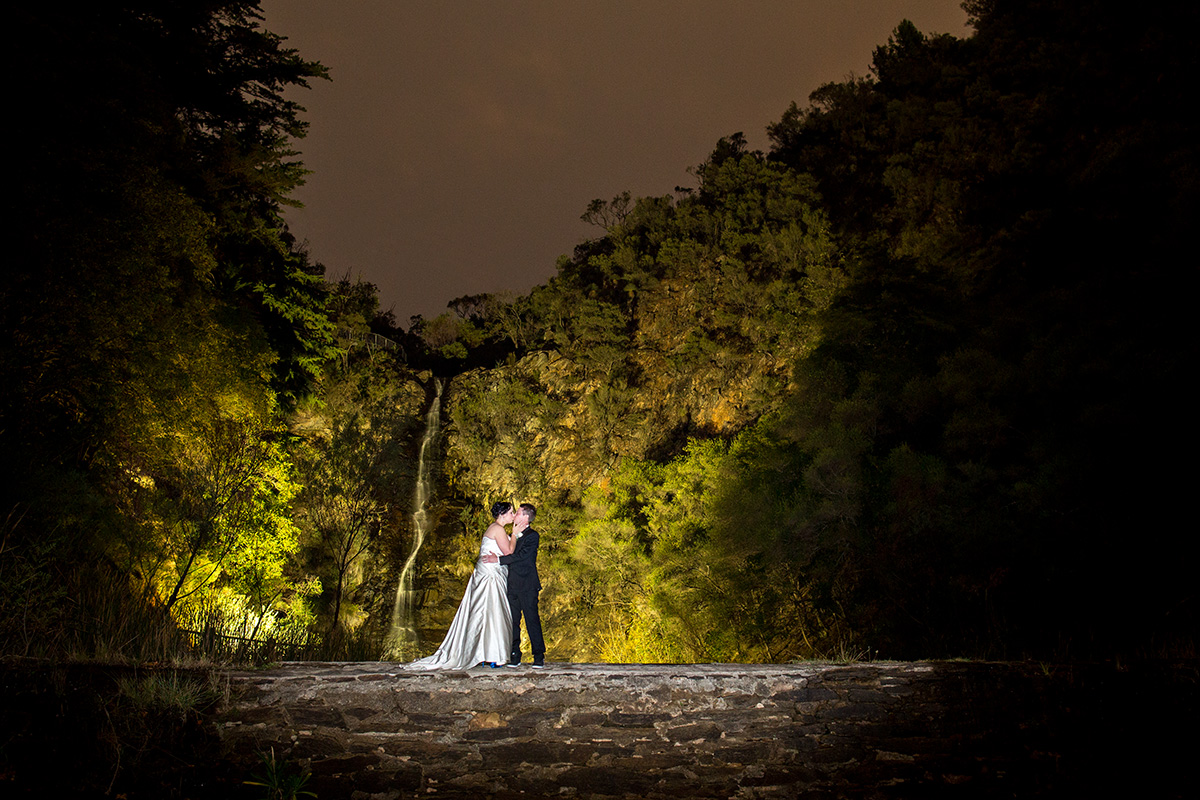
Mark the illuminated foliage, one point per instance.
(896, 386)
(157, 306)
(910, 383)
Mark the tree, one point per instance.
(607, 214)
(226, 492)
(341, 506)
(154, 288)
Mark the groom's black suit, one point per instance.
(523, 588)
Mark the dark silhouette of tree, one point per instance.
(153, 286)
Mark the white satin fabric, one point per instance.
(482, 626)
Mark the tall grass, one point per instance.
(169, 692)
(91, 613)
(81, 612)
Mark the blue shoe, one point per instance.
(495, 665)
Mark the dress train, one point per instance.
(482, 626)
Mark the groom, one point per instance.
(523, 588)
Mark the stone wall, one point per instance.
(927, 729)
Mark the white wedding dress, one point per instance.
(482, 626)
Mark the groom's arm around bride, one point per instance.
(524, 587)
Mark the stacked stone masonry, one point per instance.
(924, 729)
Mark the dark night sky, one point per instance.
(459, 142)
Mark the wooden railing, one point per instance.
(228, 649)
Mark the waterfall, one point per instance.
(402, 637)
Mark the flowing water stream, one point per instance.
(402, 636)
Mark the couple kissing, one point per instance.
(503, 588)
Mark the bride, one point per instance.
(482, 627)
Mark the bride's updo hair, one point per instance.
(500, 508)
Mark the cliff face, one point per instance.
(546, 427)
(645, 346)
